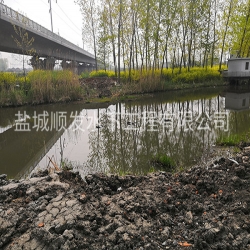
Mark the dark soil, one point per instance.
(202, 208)
(102, 86)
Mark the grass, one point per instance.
(144, 81)
(162, 162)
(42, 86)
(232, 139)
(38, 87)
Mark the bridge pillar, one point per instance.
(36, 63)
(47, 64)
(72, 65)
(85, 67)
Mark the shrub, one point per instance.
(7, 81)
(84, 75)
(102, 73)
(163, 162)
(53, 86)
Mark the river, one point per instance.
(124, 137)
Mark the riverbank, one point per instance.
(44, 87)
(201, 208)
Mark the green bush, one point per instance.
(163, 162)
(7, 81)
(102, 73)
(39, 86)
(84, 75)
(53, 86)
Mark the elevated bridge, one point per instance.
(46, 44)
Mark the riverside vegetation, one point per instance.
(41, 86)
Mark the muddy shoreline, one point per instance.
(201, 208)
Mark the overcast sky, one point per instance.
(67, 19)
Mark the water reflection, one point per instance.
(123, 137)
(237, 101)
(133, 133)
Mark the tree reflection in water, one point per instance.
(133, 133)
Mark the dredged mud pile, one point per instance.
(202, 208)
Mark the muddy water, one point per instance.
(123, 137)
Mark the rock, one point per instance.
(3, 177)
(246, 150)
(165, 232)
(189, 217)
(240, 171)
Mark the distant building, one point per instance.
(18, 70)
(238, 69)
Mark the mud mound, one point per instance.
(202, 208)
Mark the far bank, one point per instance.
(42, 87)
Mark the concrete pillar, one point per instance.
(81, 68)
(49, 63)
(36, 63)
(46, 64)
(64, 64)
(85, 67)
(72, 65)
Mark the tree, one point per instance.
(23, 42)
(241, 30)
(148, 34)
(227, 15)
(90, 23)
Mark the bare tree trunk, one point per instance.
(244, 32)
(146, 36)
(214, 33)
(225, 32)
(93, 33)
(131, 45)
(112, 36)
(119, 40)
(156, 58)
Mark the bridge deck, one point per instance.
(46, 42)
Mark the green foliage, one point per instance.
(163, 162)
(197, 75)
(7, 80)
(84, 75)
(232, 139)
(53, 86)
(39, 86)
(67, 165)
(102, 73)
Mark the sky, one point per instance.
(66, 16)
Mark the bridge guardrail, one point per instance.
(25, 21)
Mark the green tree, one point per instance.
(241, 30)
(23, 42)
(148, 34)
(89, 10)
